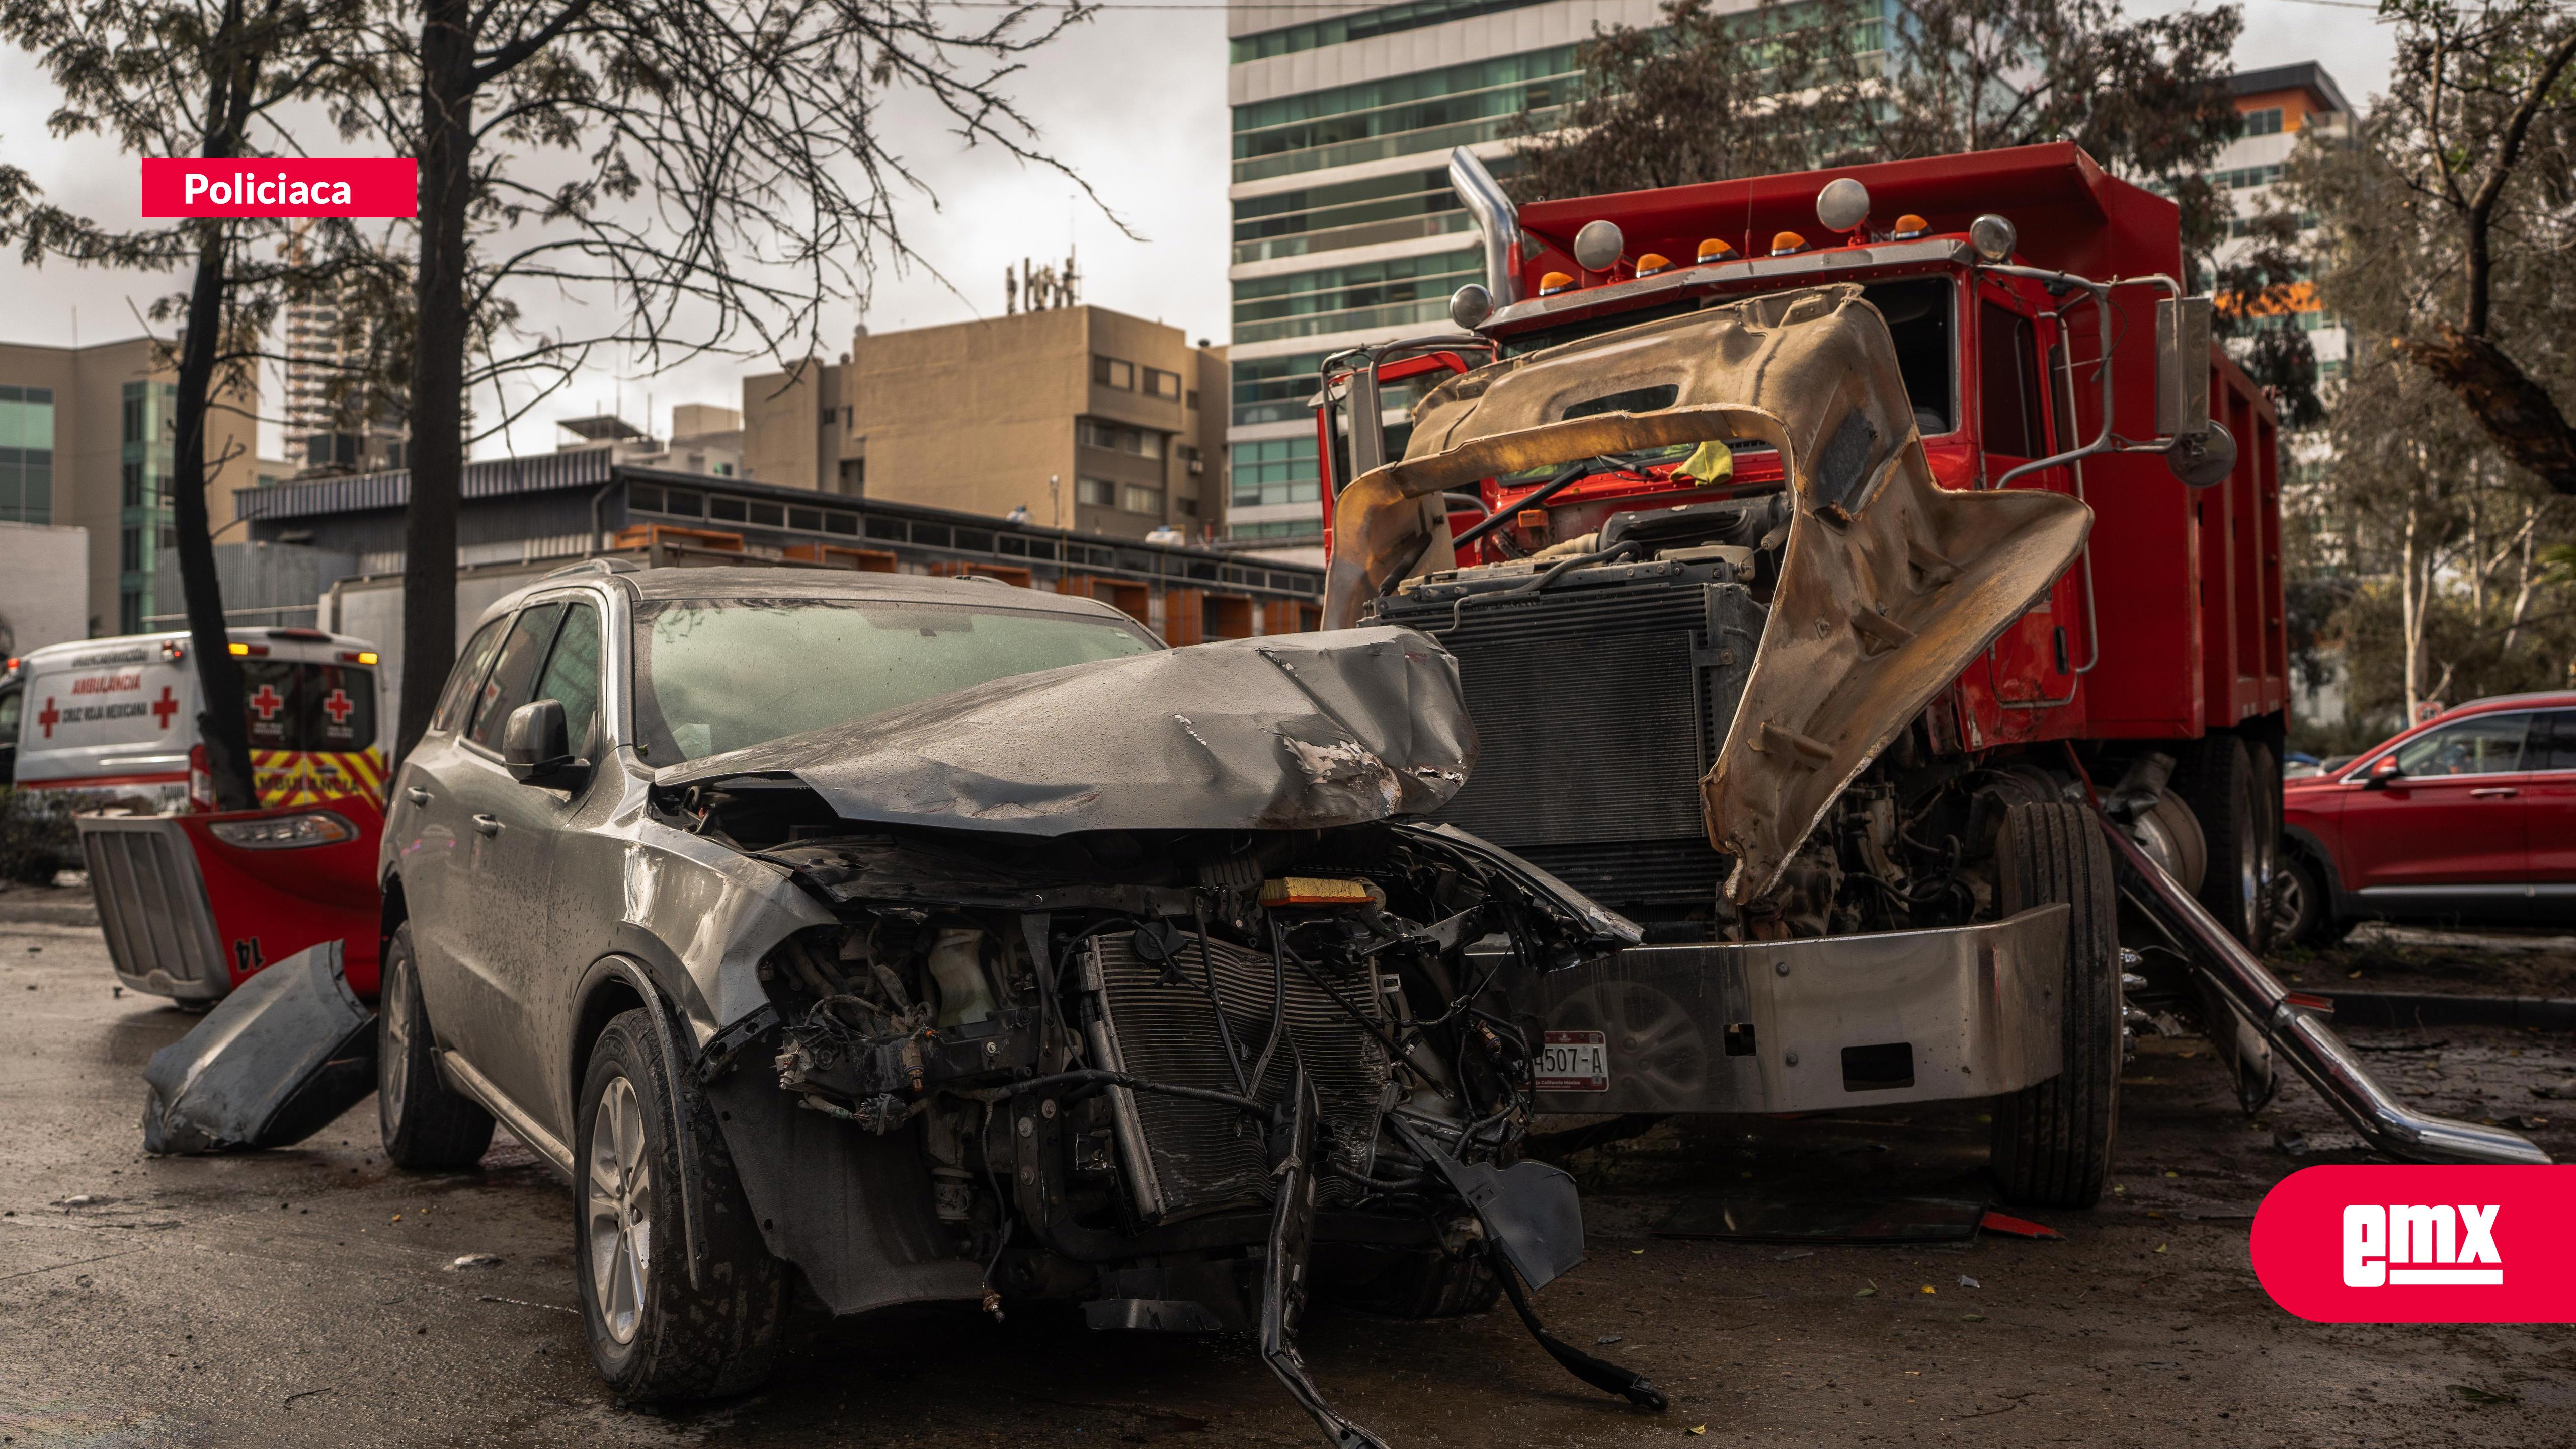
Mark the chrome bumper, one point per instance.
(1808, 1025)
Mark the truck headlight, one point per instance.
(284, 832)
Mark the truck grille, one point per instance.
(1597, 711)
(1200, 1156)
(152, 907)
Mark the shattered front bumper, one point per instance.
(1805, 1025)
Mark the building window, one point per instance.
(1186, 507)
(1397, 292)
(1161, 384)
(129, 612)
(1118, 437)
(1097, 491)
(2265, 122)
(1110, 372)
(1275, 470)
(1426, 111)
(1276, 389)
(1280, 528)
(1193, 403)
(1138, 499)
(1385, 20)
(26, 454)
(129, 550)
(1402, 207)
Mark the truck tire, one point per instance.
(426, 1127)
(2225, 789)
(653, 1335)
(2052, 1141)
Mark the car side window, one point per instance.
(2553, 741)
(572, 678)
(514, 673)
(9, 708)
(2490, 744)
(469, 673)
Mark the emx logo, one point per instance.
(2412, 1245)
(2421, 1244)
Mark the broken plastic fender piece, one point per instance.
(1995, 1222)
(289, 1050)
(1531, 1211)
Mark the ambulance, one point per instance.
(116, 719)
(194, 900)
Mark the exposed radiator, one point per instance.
(1597, 711)
(1184, 1157)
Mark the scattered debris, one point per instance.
(1869, 1292)
(474, 1260)
(2010, 1226)
(1967, 1282)
(274, 1062)
(303, 1394)
(522, 1303)
(1793, 1255)
(1607, 1339)
(1972, 1318)
(2556, 1091)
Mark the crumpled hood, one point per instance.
(1303, 731)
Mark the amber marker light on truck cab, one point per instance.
(1909, 227)
(1715, 249)
(1652, 263)
(1553, 283)
(1787, 244)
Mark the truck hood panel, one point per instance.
(1890, 585)
(1291, 732)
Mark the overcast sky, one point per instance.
(1134, 101)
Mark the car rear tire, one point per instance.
(2052, 1141)
(653, 1334)
(2224, 785)
(426, 1127)
(2302, 911)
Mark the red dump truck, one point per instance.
(1827, 557)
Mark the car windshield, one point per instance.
(713, 675)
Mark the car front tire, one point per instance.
(653, 1334)
(426, 1127)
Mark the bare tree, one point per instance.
(206, 78)
(715, 170)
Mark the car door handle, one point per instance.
(418, 795)
(488, 824)
(2494, 792)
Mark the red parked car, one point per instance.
(2470, 816)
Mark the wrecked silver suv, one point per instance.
(933, 940)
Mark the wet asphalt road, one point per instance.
(304, 1296)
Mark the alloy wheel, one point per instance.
(619, 1194)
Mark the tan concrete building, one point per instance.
(1091, 420)
(85, 441)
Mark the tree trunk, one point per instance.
(2410, 615)
(438, 363)
(221, 723)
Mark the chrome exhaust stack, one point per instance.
(1496, 219)
(2267, 1010)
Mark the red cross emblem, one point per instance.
(162, 708)
(338, 706)
(267, 702)
(49, 717)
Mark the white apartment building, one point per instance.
(2281, 106)
(1345, 229)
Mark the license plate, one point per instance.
(1574, 1061)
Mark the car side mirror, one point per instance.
(536, 747)
(2382, 771)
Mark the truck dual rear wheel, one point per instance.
(653, 1334)
(2052, 1141)
(2226, 785)
(426, 1127)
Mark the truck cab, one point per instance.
(1817, 550)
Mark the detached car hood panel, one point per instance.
(1303, 731)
